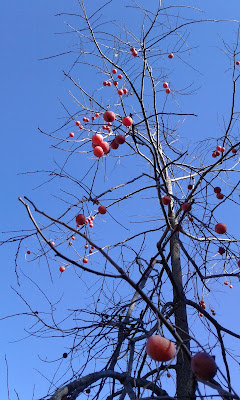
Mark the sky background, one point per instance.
(29, 98)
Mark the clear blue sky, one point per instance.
(29, 91)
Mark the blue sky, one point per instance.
(29, 98)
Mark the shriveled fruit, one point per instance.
(203, 366)
(119, 139)
(166, 200)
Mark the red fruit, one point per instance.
(105, 146)
(70, 243)
(160, 348)
(90, 225)
(234, 151)
(221, 250)
(168, 375)
(132, 49)
(190, 187)
(237, 62)
(222, 149)
(90, 251)
(214, 155)
(86, 246)
(168, 90)
(120, 92)
(97, 139)
(170, 55)
(78, 123)
(226, 283)
(73, 237)
(217, 153)
(219, 148)
(135, 53)
(114, 71)
(109, 84)
(190, 219)
(85, 260)
(80, 219)
(127, 121)
(220, 196)
(86, 119)
(28, 252)
(98, 151)
(186, 207)
(62, 269)
(114, 145)
(92, 247)
(92, 217)
(131, 93)
(200, 315)
(71, 134)
(119, 76)
(221, 228)
(102, 209)
(115, 83)
(203, 366)
(125, 91)
(93, 118)
(203, 306)
(231, 286)
(97, 115)
(109, 116)
(166, 200)
(52, 243)
(212, 310)
(119, 139)
(217, 189)
(165, 85)
(105, 83)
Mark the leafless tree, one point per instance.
(152, 267)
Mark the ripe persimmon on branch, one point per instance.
(137, 226)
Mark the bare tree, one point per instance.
(152, 273)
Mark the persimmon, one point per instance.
(127, 121)
(221, 228)
(221, 250)
(109, 116)
(203, 366)
(160, 348)
(114, 145)
(80, 219)
(186, 207)
(166, 200)
(98, 151)
(119, 139)
(102, 209)
(97, 139)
